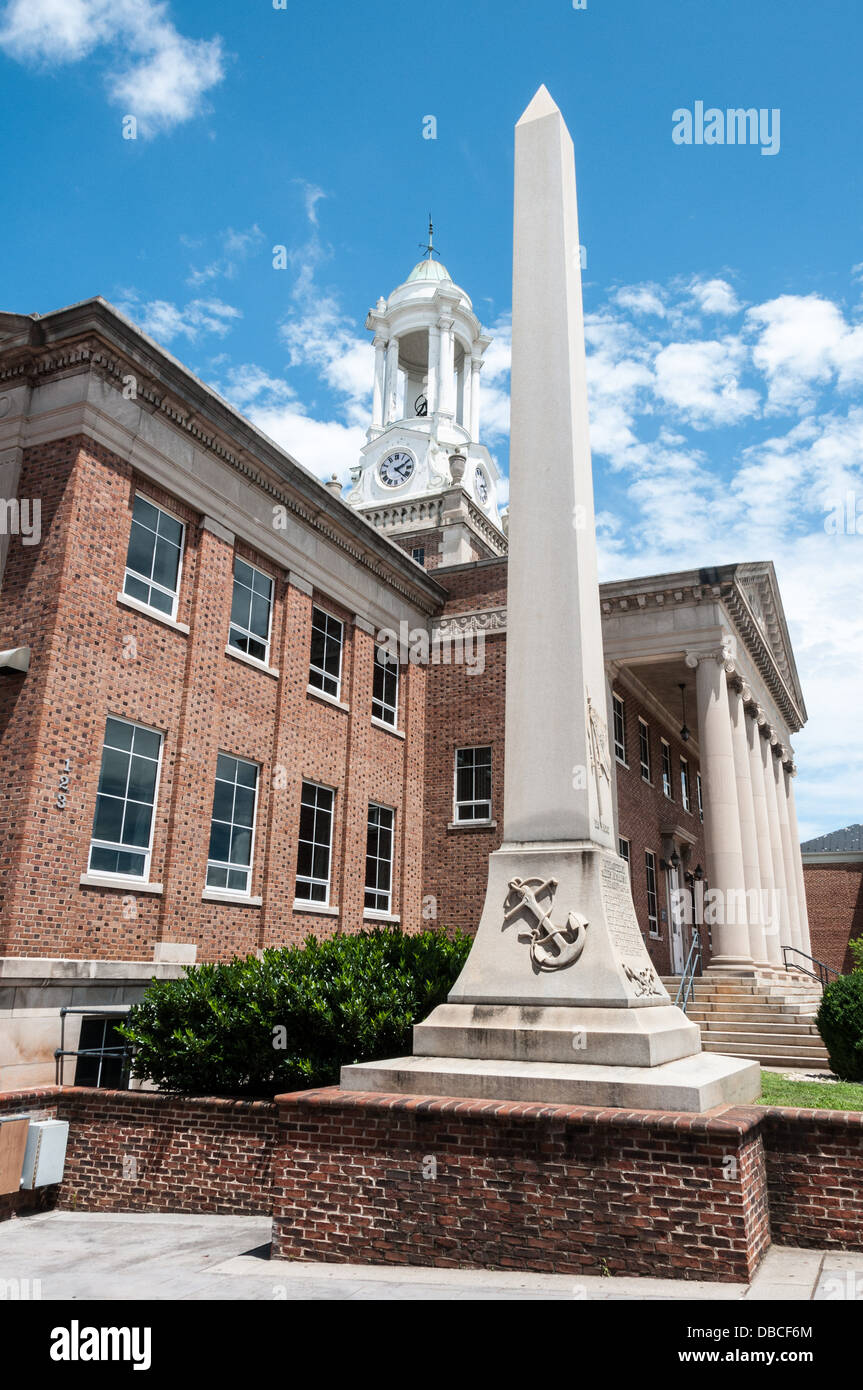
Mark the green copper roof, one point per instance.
(429, 270)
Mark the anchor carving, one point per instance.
(551, 947)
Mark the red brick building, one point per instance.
(833, 870)
(207, 749)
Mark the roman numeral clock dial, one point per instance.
(396, 468)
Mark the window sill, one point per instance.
(472, 825)
(138, 607)
(388, 728)
(252, 661)
(327, 699)
(300, 905)
(215, 895)
(622, 762)
(124, 883)
(370, 915)
(655, 935)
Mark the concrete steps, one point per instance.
(769, 1019)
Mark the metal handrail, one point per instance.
(823, 972)
(124, 1050)
(690, 970)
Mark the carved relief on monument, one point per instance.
(600, 762)
(551, 947)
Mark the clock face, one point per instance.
(481, 483)
(396, 468)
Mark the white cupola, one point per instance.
(424, 436)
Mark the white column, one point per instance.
(794, 931)
(392, 382)
(770, 910)
(475, 368)
(748, 828)
(721, 815)
(802, 910)
(380, 347)
(446, 405)
(433, 387)
(781, 896)
(466, 386)
(777, 756)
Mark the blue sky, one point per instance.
(723, 286)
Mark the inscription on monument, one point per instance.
(619, 912)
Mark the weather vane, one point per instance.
(430, 246)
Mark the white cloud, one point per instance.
(641, 299)
(154, 74)
(714, 297)
(802, 341)
(235, 248)
(700, 380)
(165, 321)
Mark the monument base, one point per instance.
(695, 1084)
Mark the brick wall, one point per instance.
(434, 1181)
(143, 1151)
(815, 1177)
(644, 811)
(834, 901)
(430, 1181)
(93, 656)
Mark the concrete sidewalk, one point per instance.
(80, 1255)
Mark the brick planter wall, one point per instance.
(431, 1181)
(144, 1151)
(814, 1176)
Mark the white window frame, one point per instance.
(310, 878)
(699, 794)
(421, 551)
(122, 874)
(142, 578)
(253, 636)
(386, 910)
(618, 706)
(685, 788)
(644, 746)
(652, 917)
(478, 801)
(665, 768)
(319, 671)
(627, 854)
(225, 864)
(388, 709)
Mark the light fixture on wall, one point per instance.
(684, 731)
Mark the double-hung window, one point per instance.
(385, 688)
(644, 749)
(325, 667)
(652, 900)
(379, 859)
(315, 844)
(472, 784)
(684, 785)
(624, 849)
(123, 822)
(232, 828)
(154, 557)
(666, 769)
(619, 715)
(251, 611)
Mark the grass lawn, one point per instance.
(810, 1095)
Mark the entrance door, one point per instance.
(675, 917)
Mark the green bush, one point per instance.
(840, 1023)
(856, 948)
(294, 1017)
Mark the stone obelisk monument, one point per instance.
(558, 1000)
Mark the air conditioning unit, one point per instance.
(45, 1155)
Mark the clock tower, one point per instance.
(423, 476)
